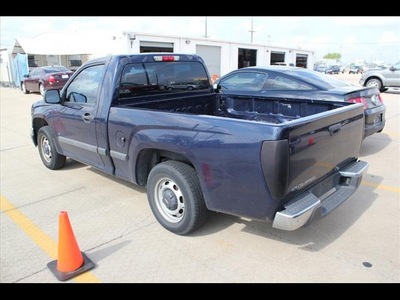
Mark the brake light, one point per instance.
(51, 79)
(361, 100)
(166, 58)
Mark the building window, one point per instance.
(32, 63)
(75, 62)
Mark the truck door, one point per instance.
(76, 121)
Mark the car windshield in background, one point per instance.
(317, 78)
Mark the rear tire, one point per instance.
(374, 82)
(41, 89)
(47, 150)
(175, 197)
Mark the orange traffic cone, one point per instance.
(71, 261)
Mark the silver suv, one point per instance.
(382, 78)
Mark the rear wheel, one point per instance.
(374, 82)
(41, 89)
(175, 197)
(47, 150)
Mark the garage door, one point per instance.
(212, 58)
(146, 46)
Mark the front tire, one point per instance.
(47, 150)
(374, 82)
(175, 197)
(23, 88)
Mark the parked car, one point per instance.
(280, 63)
(41, 79)
(321, 69)
(182, 86)
(332, 69)
(354, 69)
(382, 78)
(292, 82)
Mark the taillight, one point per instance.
(51, 79)
(359, 100)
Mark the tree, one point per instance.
(336, 56)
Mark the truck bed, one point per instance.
(262, 109)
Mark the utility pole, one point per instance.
(251, 31)
(206, 36)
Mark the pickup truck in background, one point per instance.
(276, 160)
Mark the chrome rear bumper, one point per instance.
(299, 211)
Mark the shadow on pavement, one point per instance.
(370, 145)
(315, 237)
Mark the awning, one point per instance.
(46, 47)
(60, 44)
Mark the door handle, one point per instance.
(87, 118)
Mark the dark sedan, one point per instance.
(41, 79)
(293, 82)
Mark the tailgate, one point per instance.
(317, 146)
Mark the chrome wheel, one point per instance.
(48, 151)
(374, 83)
(169, 200)
(41, 89)
(45, 148)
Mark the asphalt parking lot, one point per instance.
(357, 243)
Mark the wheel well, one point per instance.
(148, 158)
(37, 123)
(374, 77)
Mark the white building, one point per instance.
(5, 68)
(221, 57)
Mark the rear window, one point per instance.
(55, 69)
(155, 77)
(317, 78)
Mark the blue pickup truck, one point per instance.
(273, 159)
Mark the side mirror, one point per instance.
(52, 96)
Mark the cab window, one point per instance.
(84, 89)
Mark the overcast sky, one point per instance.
(371, 38)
